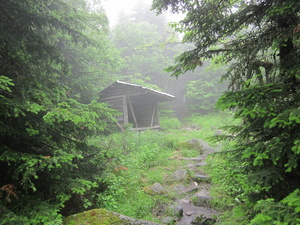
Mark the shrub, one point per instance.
(170, 123)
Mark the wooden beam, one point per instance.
(132, 112)
(120, 126)
(146, 128)
(119, 96)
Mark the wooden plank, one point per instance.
(132, 112)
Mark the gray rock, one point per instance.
(189, 213)
(179, 188)
(202, 201)
(167, 220)
(203, 146)
(201, 164)
(155, 189)
(195, 126)
(180, 175)
(203, 220)
(218, 132)
(201, 178)
(189, 190)
(199, 158)
(176, 210)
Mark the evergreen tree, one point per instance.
(46, 161)
(260, 41)
(203, 92)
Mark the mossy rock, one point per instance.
(185, 145)
(95, 217)
(155, 189)
(103, 217)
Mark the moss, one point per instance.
(95, 217)
(148, 190)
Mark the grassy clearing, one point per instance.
(141, 159)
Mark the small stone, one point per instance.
(201, 178)
(188, 213)
(218, 132)
(201, 164)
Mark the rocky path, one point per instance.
(195, 203)
(192, 204)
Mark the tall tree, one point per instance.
(46, 161)
(141, 46)
(260, 39)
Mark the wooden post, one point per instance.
(125, 109)
(153, 114)
(132, 112)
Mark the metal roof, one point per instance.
(119, 84)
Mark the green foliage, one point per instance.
(282, 213)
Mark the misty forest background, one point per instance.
(57, 149)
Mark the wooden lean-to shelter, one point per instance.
(138, 104)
